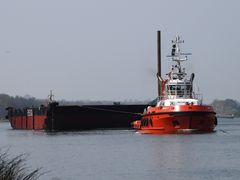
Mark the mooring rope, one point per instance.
(109, 110)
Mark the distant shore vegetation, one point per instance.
(224, 107)
(227, 107)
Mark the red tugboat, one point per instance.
(178, 108)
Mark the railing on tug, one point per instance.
(178, 95)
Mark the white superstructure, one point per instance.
(178, 88)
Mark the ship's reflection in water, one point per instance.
(124, 154)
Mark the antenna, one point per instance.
(51, 97)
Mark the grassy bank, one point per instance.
(15, 168)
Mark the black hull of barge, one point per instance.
(63, 118)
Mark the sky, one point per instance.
(106, 50)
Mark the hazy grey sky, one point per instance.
(106, 49)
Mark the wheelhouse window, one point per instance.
(179, 90)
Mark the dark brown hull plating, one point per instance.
(92, 117)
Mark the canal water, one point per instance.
(126, 155)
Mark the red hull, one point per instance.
(28, 122)
(183, 119)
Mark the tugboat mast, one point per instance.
(177, 85)
(177, 56)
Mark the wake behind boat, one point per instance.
(178, 108)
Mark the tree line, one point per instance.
(225, 107)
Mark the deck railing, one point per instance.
(178, 94)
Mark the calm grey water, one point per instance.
(124, 154)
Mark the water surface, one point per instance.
(124, 154)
